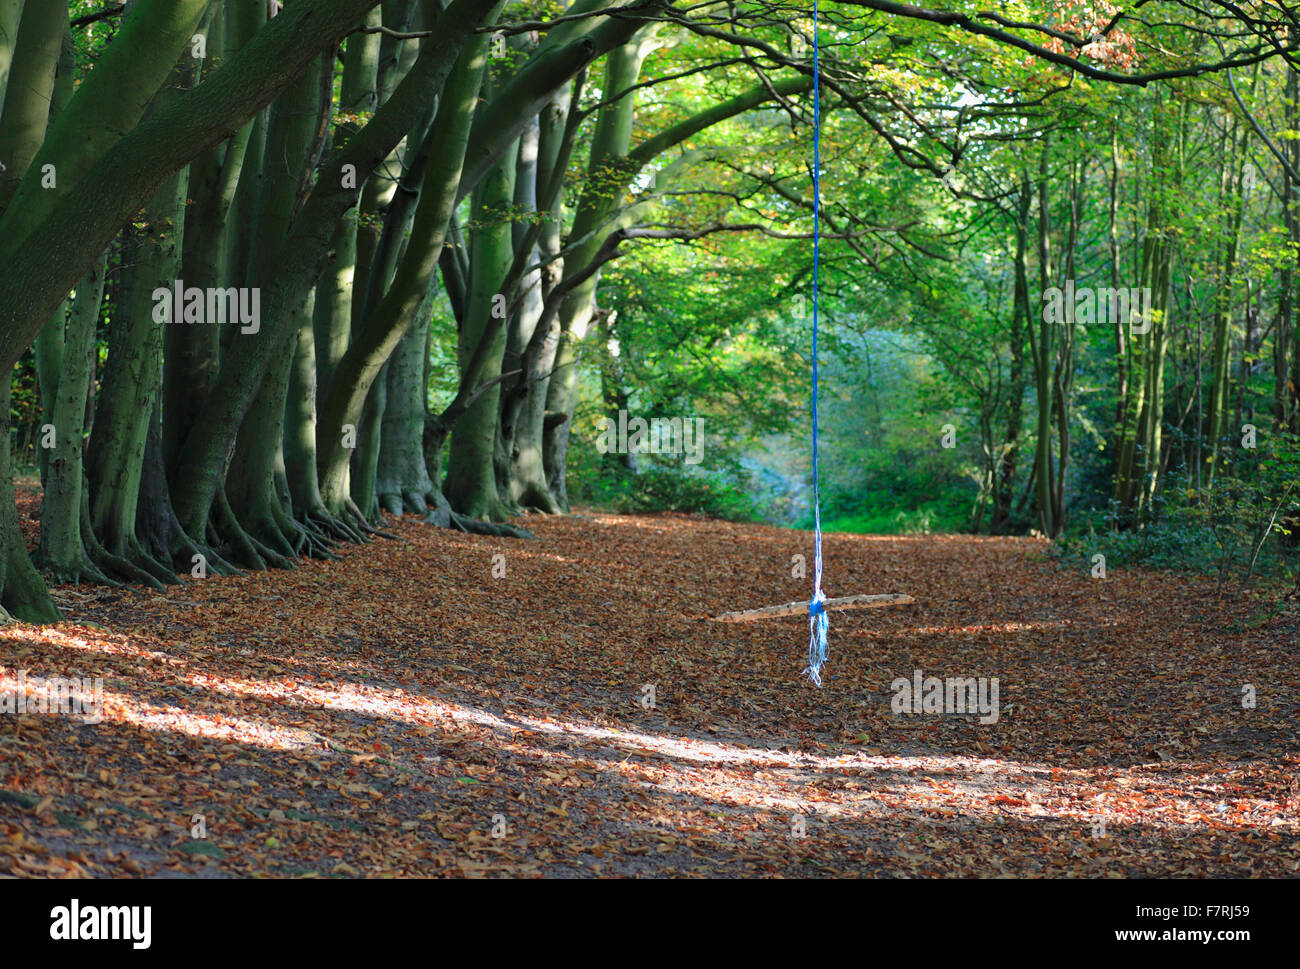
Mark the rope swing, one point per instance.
(818, 622)
(817, 606)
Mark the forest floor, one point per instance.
(410, 711)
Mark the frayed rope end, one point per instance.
(818, 648)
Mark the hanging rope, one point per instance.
(818, 621)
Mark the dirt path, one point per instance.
(391, 712)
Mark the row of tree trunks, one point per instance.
(210, 448)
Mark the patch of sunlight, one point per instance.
(993, 627)
(549, 556)
(77, 637)
(417, 708)
(127, 709)
(222, 727)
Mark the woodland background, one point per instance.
(477, 231)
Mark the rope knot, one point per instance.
(818, 623)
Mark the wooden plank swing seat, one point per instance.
(830, 605)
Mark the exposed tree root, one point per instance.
(486, 508)
(442, 515)
(79, 566)
(184, 549)
(331, 529)
(314, 540)
(412, 502)
(109, 563)
(130, 573)
(269, 536)
(162, 572)
(236, 543)
(536, 497)
(359, 521)
(478, 527)
(65, 574)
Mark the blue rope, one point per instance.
(818, 621)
